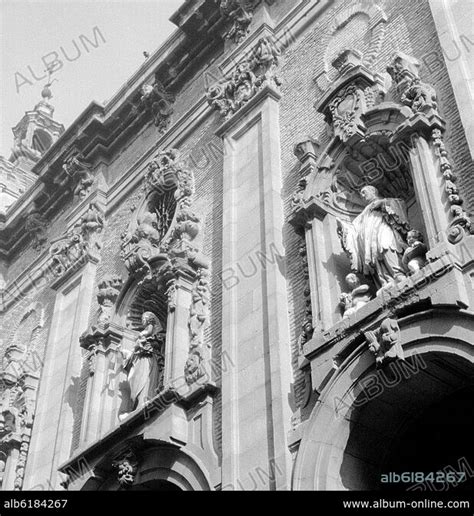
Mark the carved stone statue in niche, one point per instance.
(414, 257)
(375, 240)
(356, 298)
(144, 365)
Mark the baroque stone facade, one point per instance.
(257, 273)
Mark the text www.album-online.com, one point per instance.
(403, 504)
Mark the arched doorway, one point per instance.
(414, 417)
(419, 420)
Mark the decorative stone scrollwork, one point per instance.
(460, 223)
(126, 465)
(385, 343)
(78, 244)
(78, 172)
(156, 100)
(239, 14)
(249, 77)
(198, 318)
(109, 289)
(165, 225)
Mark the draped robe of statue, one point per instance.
(375, 240)
(145, 365)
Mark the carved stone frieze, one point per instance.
(249, 77)
(385, 343)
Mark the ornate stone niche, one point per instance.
(386, 158)
(155, 320)
(389, 137)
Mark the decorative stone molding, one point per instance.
(249, 77)
(17, 404)
(126, 465)
(35, 227)
(77, 171)
(109, 289)
(417, 95)
(460, 223)
(239, 14)
(385, 343)
(198, 318)
(157, 101)
(307, 325)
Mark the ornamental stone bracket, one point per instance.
(249, 77)
(109, 290)
(440, 283)
(77, 246)
(159, 103)
(35, 227)
(385, 343)
(76, 175)
(238, 15)
(126, 465)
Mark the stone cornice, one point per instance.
(96, 131)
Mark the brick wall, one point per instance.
(409, 29)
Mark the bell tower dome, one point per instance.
(36, 132)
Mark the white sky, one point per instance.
(31, 29)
